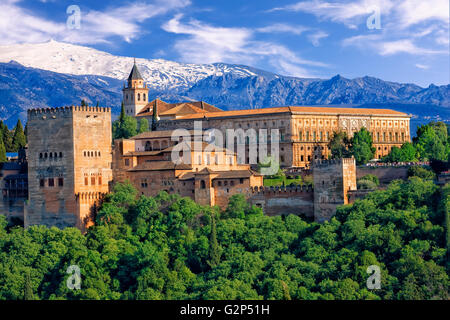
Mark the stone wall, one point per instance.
(384, 174)
(284, 200)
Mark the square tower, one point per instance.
(332, 181)
(69, 165)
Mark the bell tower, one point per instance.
(135, 94)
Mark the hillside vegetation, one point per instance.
(168, 247)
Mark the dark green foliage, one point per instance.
(19, 140)
(168, 247)
(6, 137)
(28, 290)
(2, 151)
(143, 125)
(421, 172)
(125, 127)
(404, 154)
(432, 142)
(339, 145)
(362, 146)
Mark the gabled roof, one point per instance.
(181, 108)
(135, 74)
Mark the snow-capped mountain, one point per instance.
(161, 75)
(56, 74)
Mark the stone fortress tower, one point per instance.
(332, 181)
(69, 165)
(135, 94)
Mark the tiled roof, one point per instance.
(184, 108)
(296, 110)
(232, 174)
(160, 165)
(158, 134)
(164, 107)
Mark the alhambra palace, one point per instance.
(71, 162)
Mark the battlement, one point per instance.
(282, 189)
(39, 112)
(332, 162)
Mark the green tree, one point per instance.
(339, 145)
(431, 142)
(28, 290)
(143, 125)
(19, 139)
(214, 245)
(421, 172)
(125, 127)
(362, 146)
(7, 137)
(2, 149)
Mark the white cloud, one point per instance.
(387, 48)
(402, 21)
(283, 28)
(405, 46)
(422, 66)
(209, 44)
(316, 37)
(18, 25)
(344, 12)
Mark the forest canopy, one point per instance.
(168, 247)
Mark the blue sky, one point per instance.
(313, 38)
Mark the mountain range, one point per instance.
(56, 74)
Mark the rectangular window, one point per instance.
(60, 182)
(41, 182)
(320, 136)
(86, 181)
(328, 136)
(51, 182)
(93, 181)
(99, 181)
(127, 162)
(300, 136)
(241, 181)
(403, 136)
(314, 136)
(307, 135)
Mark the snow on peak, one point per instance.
(79, 60)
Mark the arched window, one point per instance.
(202, 184)
(144, 97)
(139, 97)
(40, 155)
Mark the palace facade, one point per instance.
(304, 131)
